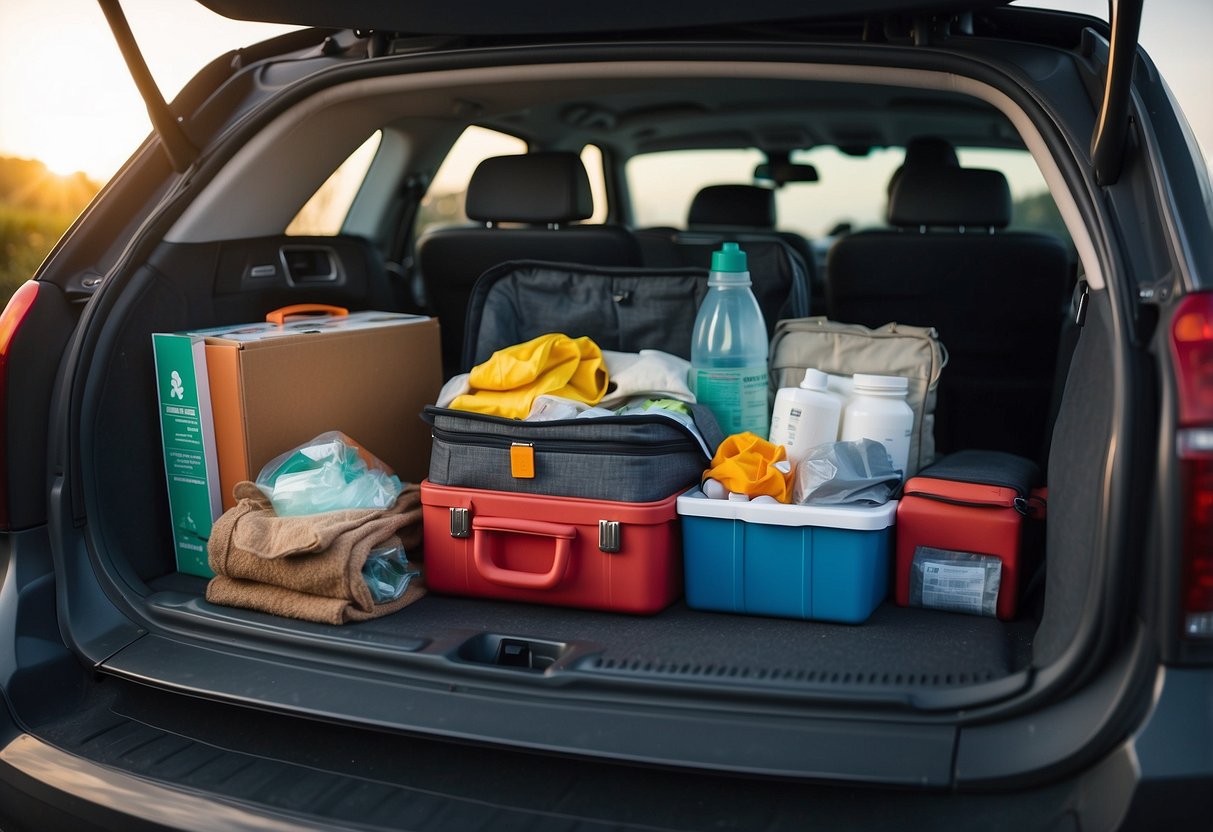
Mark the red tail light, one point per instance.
(1192, 350)
(14, 314)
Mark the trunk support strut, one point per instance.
(1108, 141)
(180, 150)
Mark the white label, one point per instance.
(947, 586)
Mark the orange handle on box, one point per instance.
(561, 534)
(279, 316)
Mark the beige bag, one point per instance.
(845, 349)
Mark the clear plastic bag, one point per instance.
(845, 473)
(388, 573)
(329, 473)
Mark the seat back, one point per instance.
(776, 270)
(995, 297)
(542, 192)
(750, 209)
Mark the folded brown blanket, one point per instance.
(307, 567)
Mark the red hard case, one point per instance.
(594, 554)
(987, 523)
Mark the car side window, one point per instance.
(324, 213)
(591, 158)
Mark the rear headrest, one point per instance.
(735, 206)
(950, 197)
(924, 152)
(550, 187)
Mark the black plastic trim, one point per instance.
(1065, 735)
(722, 738)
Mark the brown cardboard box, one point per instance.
(275, 386)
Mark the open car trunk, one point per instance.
(911, 676)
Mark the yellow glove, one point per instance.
(745, 464)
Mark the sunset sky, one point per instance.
(66, 97)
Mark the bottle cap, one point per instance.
(730, 258)
(814, 380)
(882, 384)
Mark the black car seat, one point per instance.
(751, 209)
(748, 208)
(543, 193)
(744, 214)
(924, 152)
(996, 298)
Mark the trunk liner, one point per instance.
(896, 646)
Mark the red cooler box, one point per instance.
(594, 554)
(963, 532)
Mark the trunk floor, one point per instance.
(917, 644)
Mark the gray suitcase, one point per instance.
(637, 459)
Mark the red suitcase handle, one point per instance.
(563, 536)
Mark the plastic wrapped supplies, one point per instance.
(845, 473)
(328, 473)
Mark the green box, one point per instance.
(187, 430)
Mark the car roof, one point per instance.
(480, 17)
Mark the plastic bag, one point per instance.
(943, 579)
(388, 573)
(845, 473)
(329, 473)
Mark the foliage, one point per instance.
(1038, 213)
(36, 207)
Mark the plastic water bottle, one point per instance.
(729, 350)
(878, 410)
(805, 416)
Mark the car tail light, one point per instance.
(11, 319)
(1192, 349)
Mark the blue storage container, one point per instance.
(828, 563)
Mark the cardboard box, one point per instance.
(367, 375)
(265, 388)
(190, 458)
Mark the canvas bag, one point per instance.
(845, 349)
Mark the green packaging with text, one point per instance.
(187, 430)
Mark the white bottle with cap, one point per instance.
(878, 410)
(805, 416)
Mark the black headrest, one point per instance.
(735, 206)
(950, 197)
(925, 151)
(550, 187)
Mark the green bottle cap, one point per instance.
(730, 258)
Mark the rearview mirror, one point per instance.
(783, 172)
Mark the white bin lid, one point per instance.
(852, 518)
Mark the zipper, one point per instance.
(1020, 504)
(565, 445)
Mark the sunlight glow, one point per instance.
(71, 103)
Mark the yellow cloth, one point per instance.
(745, 464)
(553, 364)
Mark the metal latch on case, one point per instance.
(461, 522)
(608, 535)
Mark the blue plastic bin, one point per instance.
(823, 563)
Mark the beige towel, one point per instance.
(310, 566)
